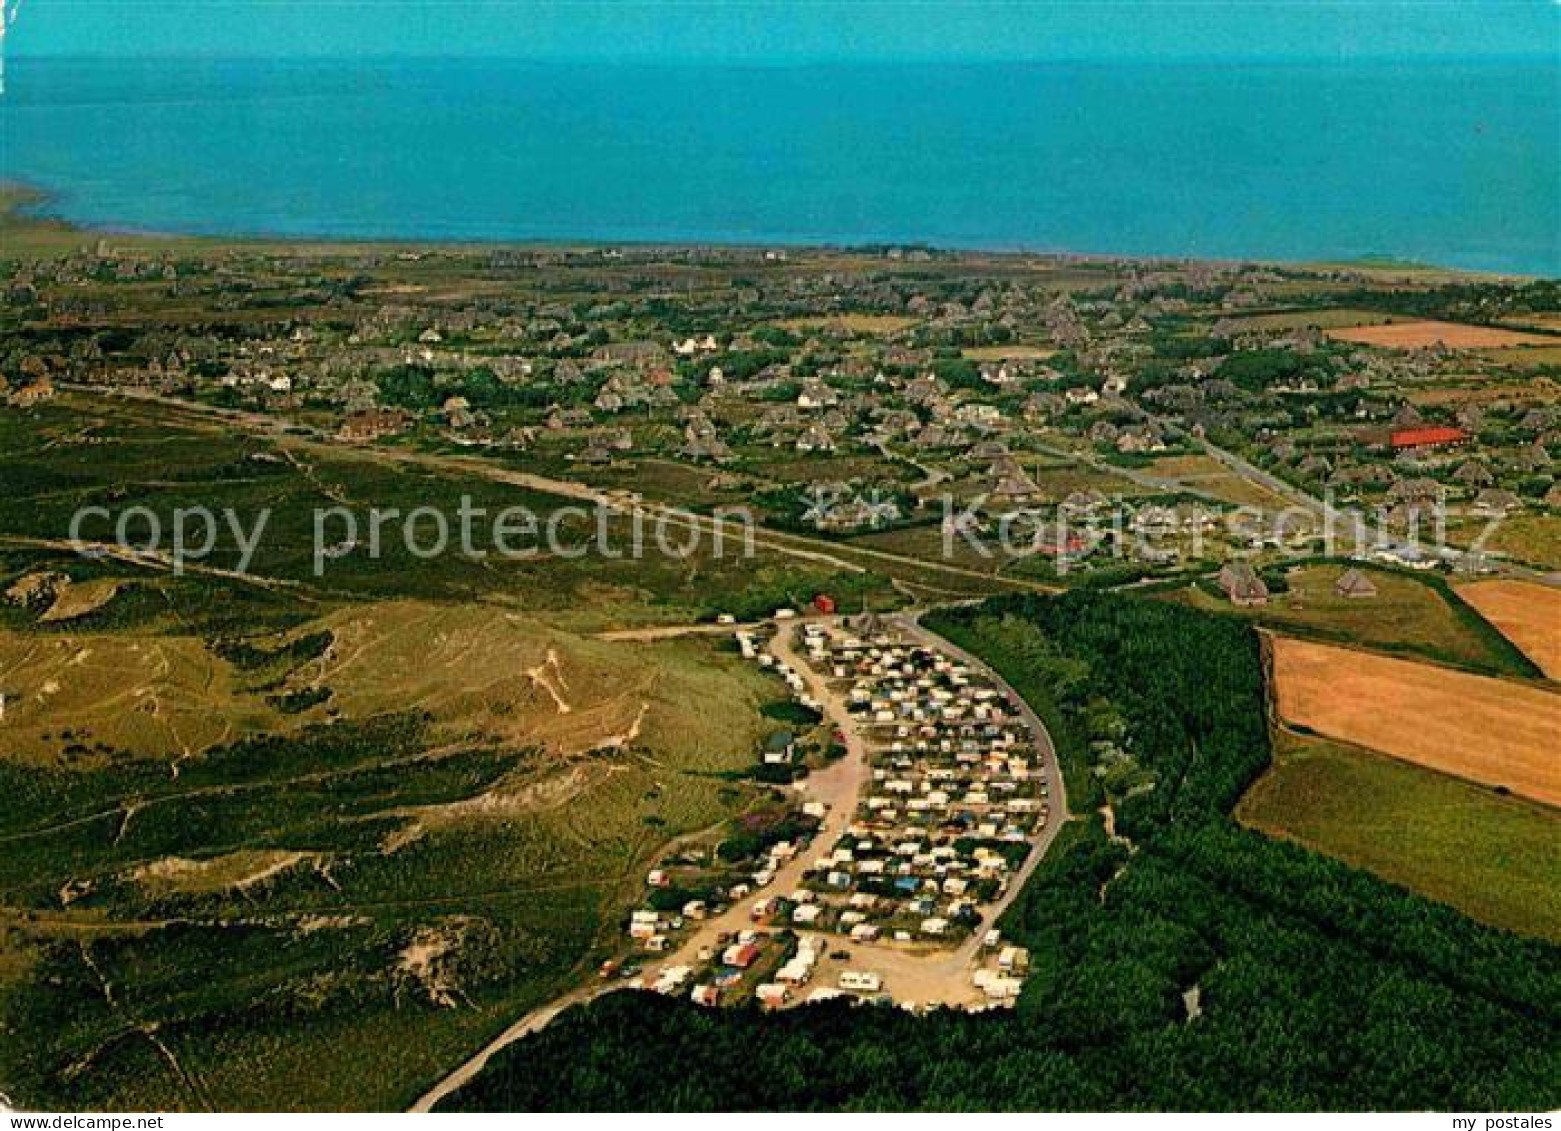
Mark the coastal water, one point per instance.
(1447, 163)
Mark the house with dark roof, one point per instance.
(1240, 582)
(1354, 584)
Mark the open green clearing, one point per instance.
(1492, 857)
(1410, 614)
(305, 842)
(116, 454)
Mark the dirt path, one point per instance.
(673, 631)
(836, 786)
(533, 1022)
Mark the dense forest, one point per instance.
(1317, 986)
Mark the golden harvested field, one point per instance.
(852, 323)
(1489, 731)
(1240, 492)
(1207, 474)
(1527, 614)
(1454, 335)
(1186, 467)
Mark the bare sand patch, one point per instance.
(1526, 613)
(429, 961)
(1491, 731)
(77, 599)
(1011, 352)
(235, 871)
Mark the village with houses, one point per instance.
(762, 783)
(1031, 417)
(1195, 429)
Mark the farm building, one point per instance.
(1409, 439)
(1240, 582)
(1354, 583)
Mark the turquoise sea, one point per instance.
(1441, 162)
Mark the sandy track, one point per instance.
(1492, 731)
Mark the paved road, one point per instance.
(1343, 521)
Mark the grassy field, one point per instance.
(1530, 538)
(1331, 318)
(1483, 388)
(1408, 615)
(1526, 357)
(1057, 480)
(81, 451)
(1491, 857)
(92, 696)
(1011, 352)
(282, 840)
(852, 323)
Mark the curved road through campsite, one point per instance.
(920, 976)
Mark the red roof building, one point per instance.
(824, 603)
(740, 955)
(1438, 437)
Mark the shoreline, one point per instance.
(27, 202)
